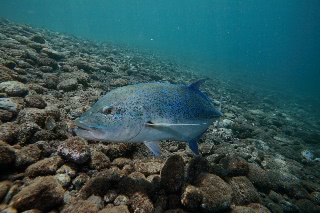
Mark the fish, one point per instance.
(149, 113)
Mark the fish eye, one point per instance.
(107, 110)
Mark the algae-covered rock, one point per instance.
(172, 174)
(43, 193)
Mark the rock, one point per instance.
(306, 206)
(43, 193)
(135, 182)
(191, 197)
(6, 115)
(100, 184)
(289, 207)
(53, 54)
(46, 166)
(4, 188)
(14, 88)
(50, 81)
(33, 115)
(243, 191)
(9, 104)
(141, 203)
(75, 149)
(46, 69)
(80, 180)
(121, 200)
(8, 132)
(196, 166)
(110, 196)
(5, 74)
(63, 179)
(258, 208)
(79, 206)
(35, 101)
(27, 156)
(149, 167)
(7, 156)
(121, 162)
(241, 209)
(26, 132)
(38, 88)
(38, 38)
(217, 194)
(115, 209)
(99, 161)
(258, 177)
(9, 209)
(316, 197)
(68, 85)
(234, 166)
(172, 174)
(297, 191)
(69, 170)
(97, 201)
(116, 150)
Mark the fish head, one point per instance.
(110, 123)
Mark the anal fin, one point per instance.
(154, 147)
(193, 145)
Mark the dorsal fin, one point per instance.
(196, 85)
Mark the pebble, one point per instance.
(316, 197)
(42, 193)
(9, 104)
(79, 206)
(234, 165)
(121, 200)
(307, 206)
(243, 191)
(35, 101)
(196, 166)
(258, 177)
(80, 180)
(148, 168)
(26, 132)
(66, 169)
(7, 156)
(110, 196)
(63, 179)
(68, 85)
(100, 184)
(27, 155)
(191, 197)
(4, 188)
(38, 38)
(33, 115)
(99, 161)
(135, 182)
(8, 132)
(115, 209)
(6, 115)
(75, 149)
(140, 202)
(45, 166)
(14, 88)
(217, 194)
(289, 207)
(172, 174)
(97, 201)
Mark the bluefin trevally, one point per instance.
(148, 113)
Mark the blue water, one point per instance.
(269, 44)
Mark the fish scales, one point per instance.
(148, 113)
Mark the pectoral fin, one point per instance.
(153, 147)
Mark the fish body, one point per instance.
(148, 113)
